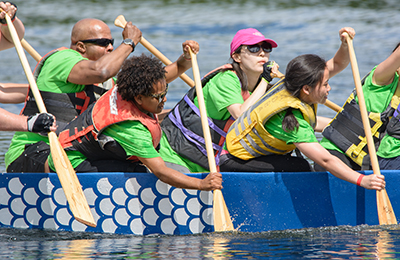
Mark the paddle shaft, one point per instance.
(222, 220)
(203, 113)
(121, 22)
(387, 211)
(363, 108)
(31, 50)
(68, 179)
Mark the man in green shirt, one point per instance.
(70, 71)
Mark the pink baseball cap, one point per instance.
(249, 36)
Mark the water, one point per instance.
(362, 242)
(298, 26)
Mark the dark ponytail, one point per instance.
(307, 69)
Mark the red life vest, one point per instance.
(84, 133)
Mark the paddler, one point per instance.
(121, 132)
(228, 91)
(345, 137)
(263, 138)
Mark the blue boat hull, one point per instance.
(140, 204)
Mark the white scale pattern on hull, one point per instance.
(126, 208)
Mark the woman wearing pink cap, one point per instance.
(263, 138)
(227, 92)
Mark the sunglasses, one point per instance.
(104, 42)
(267, 48)
(160, 96)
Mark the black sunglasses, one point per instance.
(267, 48)
(160, 96)
(104, 42)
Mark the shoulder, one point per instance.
(225, 81)
(67, 54)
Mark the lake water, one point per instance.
(298, 26)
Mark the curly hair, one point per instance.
(138, 76)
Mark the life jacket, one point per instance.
(346, 130)
(64, 106)
(247, 137)
(393, 127)
(84, 134)
(184, 130)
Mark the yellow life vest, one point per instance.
(247, 138)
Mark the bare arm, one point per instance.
(100, 70)
(341, 59)
(270, 71)
(334, 165)
(237, 109)
(5, 37)
(174, 178)
(12, 122)
(183, 63)
(12, 93)
(322, 122)
(386, 70)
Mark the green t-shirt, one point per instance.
(133, 136)
(223, 90)
(304, 134)
(377, 99)
(52, 78)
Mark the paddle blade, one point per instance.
(385, 211)
(222, 220)
(120, 21)
(70, 183)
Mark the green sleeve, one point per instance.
(377, 98)
(169, 155)
(220, 92)
(54, 74)
(134, 137)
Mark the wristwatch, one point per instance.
(129, 42)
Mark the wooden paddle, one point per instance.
(31, 50)
(222, 220)
(121, 22)
(68, 179)
(385, 210)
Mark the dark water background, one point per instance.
(298, 27)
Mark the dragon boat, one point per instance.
(141, 204)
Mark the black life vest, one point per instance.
(346, 130)
(184, 131)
